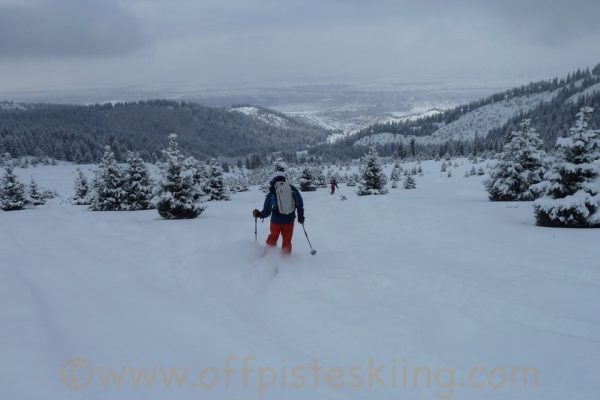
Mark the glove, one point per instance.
(301, 219)
(255, 213)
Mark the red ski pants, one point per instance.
(286, 231)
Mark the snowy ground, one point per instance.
(436, 277)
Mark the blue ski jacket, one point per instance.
(270, 207)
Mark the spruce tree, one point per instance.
(395, 175)
(12, 192)
(36, 197)
(410, 182)
(175, 195)
(108, 185)
(82, 190)
(307, 181)
(199, 175)
(521, 166)
(137, 184)
(571, 189)
(216, 189)
(279, 165)
(319, 177)
(373, 179)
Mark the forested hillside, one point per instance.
(481, 125)
(78, 133)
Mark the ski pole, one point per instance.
(255, 231)
(312, 251)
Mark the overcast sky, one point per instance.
(76, 44)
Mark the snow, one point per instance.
(266, 117)
(483, 119)
(381, 139)
(477, 122)
(437, 276)
(586, 92)
(7, 105)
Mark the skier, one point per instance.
(334, 185)
(282, 201)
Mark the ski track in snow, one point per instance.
(437, 276)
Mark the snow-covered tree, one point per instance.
(108, 192)
(520, 167)
(238, 183)
(410, 182)
(82, 190)
(373, 179)
(12, 192)
(307, 181)
(175, 194)
(396, 175)
(353, 179)
(216, 189)
(319, 177)
(137, 184)
(36, 196)
(242, 182)
(199, 174)
(279, 165)
(571, 188)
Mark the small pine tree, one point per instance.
(572, 186)
(443, 167)
(319, 177)
(137, 184)
(82, 190)
(279, 165)
(36, 197)
(373, 179)
(238, 183)
(410, 182)
(199, 174)
(307, 181)
(395, 175)
(108, 185)
(12, 192)
(175, 194)
(216, 189)
(520, 167)
(353, 179)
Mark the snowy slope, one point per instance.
(586, 92)
(477, 122)
(436, 277)
(480, 121)
(269, 118)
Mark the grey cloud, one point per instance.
(67, 28)
(250, 41)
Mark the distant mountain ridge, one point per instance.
(483, 124)
(483, 117)
(77, 133)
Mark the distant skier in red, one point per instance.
(334, 185)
